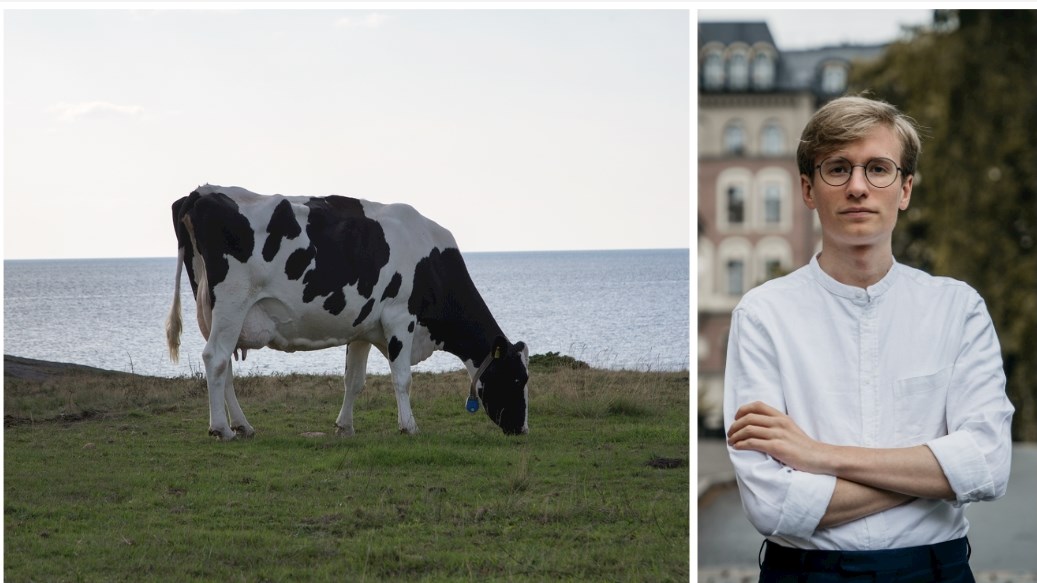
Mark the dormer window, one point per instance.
(763, 71)
(713, 71)
(738, 71)
(833, 78)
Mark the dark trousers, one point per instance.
(943, 562)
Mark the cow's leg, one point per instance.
(216, 356)
(401, 377)
(356, 373)
(238, 424)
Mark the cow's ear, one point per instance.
(523, 351)
(500, 347)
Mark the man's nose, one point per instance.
(858, 185)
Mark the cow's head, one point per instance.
(503, 391)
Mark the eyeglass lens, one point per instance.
(880, 172)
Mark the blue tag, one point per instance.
(472, 404)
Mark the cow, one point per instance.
(306, 273)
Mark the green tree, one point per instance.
(970, 80)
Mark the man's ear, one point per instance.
(905, 191)
(808, 191)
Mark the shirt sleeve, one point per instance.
(976, 454)
(778, 500)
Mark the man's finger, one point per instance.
(764, 430)
(752, 419)
(756, 407)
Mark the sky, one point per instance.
(517, 130)
(794, 29)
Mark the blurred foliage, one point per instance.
(553, 361)
(970, 80)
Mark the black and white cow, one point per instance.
(305, 273)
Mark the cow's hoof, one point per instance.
(245, 431)
(408, 431)
(222, 436)
(344, 431)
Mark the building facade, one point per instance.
(754, 101)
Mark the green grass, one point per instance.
(113, 478)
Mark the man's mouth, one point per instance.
(857, 210)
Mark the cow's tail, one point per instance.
(202, 299)
(174, 325)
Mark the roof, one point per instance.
(731, 32)
(798, 70)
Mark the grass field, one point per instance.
(112, 477)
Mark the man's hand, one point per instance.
(760, 427)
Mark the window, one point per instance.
(733, 263)
(738, 71)
(771, 269)
(774, 256)
(772, 204)
(735, 277)
(772, 140)
(763, 71)
(713, 71)
(736, 192)
(734, 138)
(771, 199)
(735, 205)
(833, 78)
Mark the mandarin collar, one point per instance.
(850, 292)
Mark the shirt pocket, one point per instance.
(920, 407)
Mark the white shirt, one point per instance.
(911, 360)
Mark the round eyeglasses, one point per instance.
(880, 172)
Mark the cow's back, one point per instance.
(307, 272)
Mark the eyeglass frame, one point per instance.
(900, 171)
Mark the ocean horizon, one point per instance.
(614, 309)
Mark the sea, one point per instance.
(611, 309)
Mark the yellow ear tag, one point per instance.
(496, 353)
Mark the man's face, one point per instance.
(858, 213)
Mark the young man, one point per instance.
(864, 400)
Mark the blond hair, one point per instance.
(849, 119)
